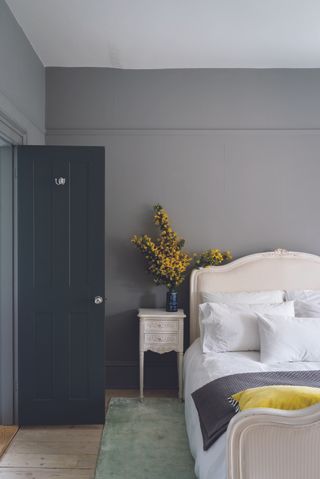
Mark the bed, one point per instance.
(249, 448)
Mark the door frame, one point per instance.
(11, 132)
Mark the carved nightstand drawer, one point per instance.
(155, 326)
(161, 338)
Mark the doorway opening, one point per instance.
(11, 135)
(6, 294)
(6, 283)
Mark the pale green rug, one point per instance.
(145, 441)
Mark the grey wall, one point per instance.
(22, 118)
(22, 79)
(234, 155)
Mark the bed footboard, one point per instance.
(274, 444)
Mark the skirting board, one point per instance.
(125, 375)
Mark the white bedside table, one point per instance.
(161, 332)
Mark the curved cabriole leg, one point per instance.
(141, 374)
(180, 375)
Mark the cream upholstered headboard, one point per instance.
(279, 269)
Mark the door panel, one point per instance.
(60, 271)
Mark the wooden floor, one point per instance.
(64, 452)
(7, 433)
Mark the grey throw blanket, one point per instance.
(214, 409)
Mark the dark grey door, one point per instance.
(60, 273)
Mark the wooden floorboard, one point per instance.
(7, 433)
(16, 473)
(60, 452)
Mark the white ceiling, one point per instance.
(173, 33)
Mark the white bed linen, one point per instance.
(199, 369)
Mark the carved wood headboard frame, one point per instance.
(279, 269)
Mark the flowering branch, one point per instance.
(166, 261)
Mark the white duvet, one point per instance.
(199, 369)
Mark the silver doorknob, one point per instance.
(98, 300)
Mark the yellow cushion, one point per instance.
(277, 397)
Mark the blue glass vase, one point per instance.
(172, 301)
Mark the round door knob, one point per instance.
(98, 300)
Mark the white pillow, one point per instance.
(306, 309)
(287, 339)
(244, 297)
(235, 327)
(312, 295)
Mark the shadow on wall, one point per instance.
(127, 265)
(122, 356)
